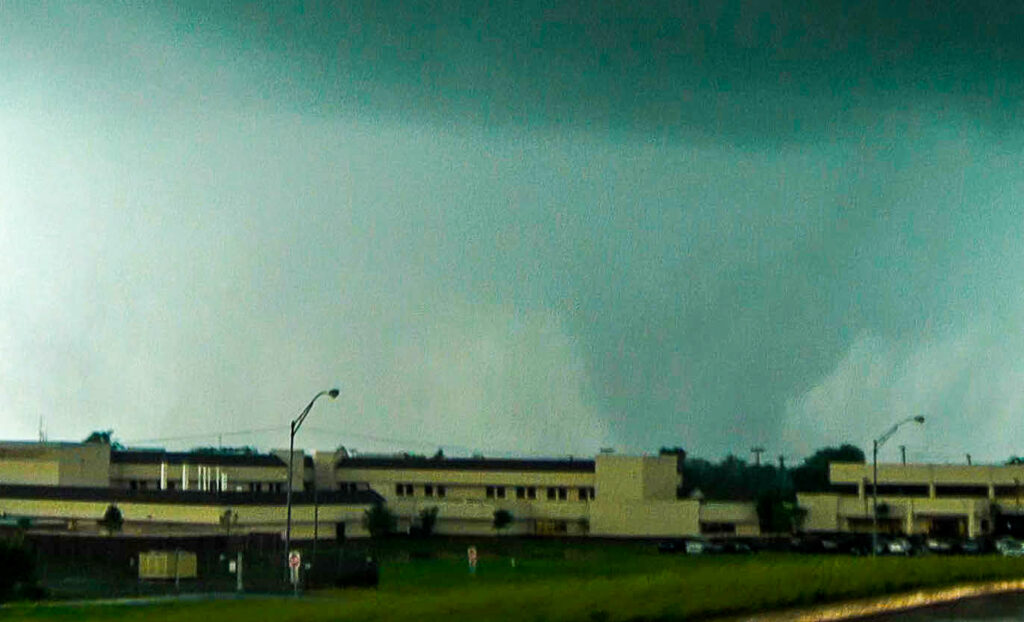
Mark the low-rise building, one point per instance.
(69, 486)
(937, 499)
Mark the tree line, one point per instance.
(772, 487)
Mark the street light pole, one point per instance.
(878, 442)
(295, 425)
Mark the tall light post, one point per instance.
(296, 424)
(878, 442)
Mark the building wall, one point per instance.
(238, 477)
(741, 516)
(466, 508)
(83, 516)
(647, 518)
(934, 495)
(54, 464)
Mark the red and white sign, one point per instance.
(294, 559)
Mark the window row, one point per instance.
(554, 493)
(144, 484)
(429, 490)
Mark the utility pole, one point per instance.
(903, 454)
(757, 451)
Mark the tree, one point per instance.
(428, 520)
(502, 519)
(112, 519)
(100, 436)
(227, 519)
(379, 521)
(439, 455)
(106, 437)
(812, 475)
(777, 513)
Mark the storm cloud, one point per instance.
(522, 231)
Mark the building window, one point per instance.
(531, 492)
(404, 490)
(500, 492)
(563, 494)
(440, 491)
(552, 494)
(277, 487)
(520, 492)
(490, 492)
(586, 493)
(428, 490)
(170, 485)
(133, 485)
(408, 490)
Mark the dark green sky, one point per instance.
(538, 228)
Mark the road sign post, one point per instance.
(294, 562)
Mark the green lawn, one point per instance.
(584, 583)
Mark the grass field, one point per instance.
(580, 582)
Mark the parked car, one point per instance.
(700, 546)
(1013, 549)
(1004, 543)
(672, 546)
(975, 546)
(854, 544)
(940, 546)
(893, 546)
(734, 547)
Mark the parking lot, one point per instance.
(846, 544)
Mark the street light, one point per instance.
(878, 442)
(296, 424)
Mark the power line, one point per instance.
(398, 442)
(207, 435)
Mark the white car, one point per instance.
(1011, 548)
(898, 546)
(1007, 544)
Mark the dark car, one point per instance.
(975, 546)
(734, 547)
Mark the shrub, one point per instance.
(379, 521)
(112, 519)
(428, 520)
(502, 519)
(17, 570)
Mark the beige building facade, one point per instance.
(937, 499)
(69, 486)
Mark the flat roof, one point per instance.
(466, 464)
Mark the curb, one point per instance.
(863, 608)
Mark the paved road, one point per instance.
(1005, 608)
